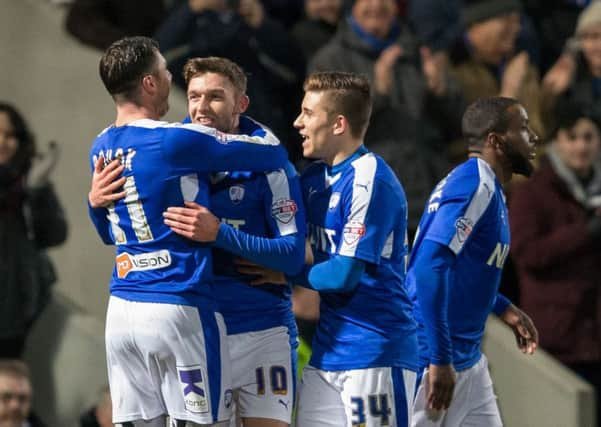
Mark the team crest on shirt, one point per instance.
(284, 210)
(352, 232)
(236, 193)
(334, 200)
(464, 227)
(192, 382)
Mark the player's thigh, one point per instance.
(134, 389)
(372, 397)
(263, 372)
(156, 422)
(196, 381)
(483, 411)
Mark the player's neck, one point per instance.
(495, 165)
(129, 112)
(346, 150)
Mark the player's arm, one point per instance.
(431, 269)
(200, 148)
(338, 274)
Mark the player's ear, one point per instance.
(148, 83)
(340, 125)
(243, 103)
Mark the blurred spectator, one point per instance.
(241, 31)
(416, 105)
(31, 219)
(100, 415)
(318, 26)
(15, 395)
(576, 76)
(486, 62)
(554, 22)
(99, 23)
(438, 24)
(555, 220)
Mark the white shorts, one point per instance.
(263, 374)
(165, 359)
(474, 402)
(370, 397)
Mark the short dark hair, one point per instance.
(569, 113)
(125, 62)
(14, 368)
(348, 94)
(21, 161)
(213, 64)
(486, 115)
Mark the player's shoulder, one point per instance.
(372, 168)
(472, 177)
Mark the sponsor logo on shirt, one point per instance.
(142, 262)
(284, 210)
(352, 232)
(464, 227)
(192, 382)
(236, 193)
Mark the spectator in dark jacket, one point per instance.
(416, 105)
(99, 23)
(576, 76)
(318, 26)
(31, 219)
(555, 222)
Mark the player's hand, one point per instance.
(194, 222)
(107, 183)
(440, 386)
(263, 275)
(384, 68)
(42, 166)
(525, 332)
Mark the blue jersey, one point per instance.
(267, 205)
(358, 209)
(166, 164)
(467, 213)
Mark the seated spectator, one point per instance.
(15, 395)
(99, 23)
(318, 26)
(31, 219)
(416, 105)
(101, 414)
(576, 76)
(555, 220)
(486, 62)
(242, 32)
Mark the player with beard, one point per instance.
(456, 264)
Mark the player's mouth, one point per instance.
(204, 120)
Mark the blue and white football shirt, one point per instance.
(467, 213)
(266, 205)
(166, 164)
(358, 209)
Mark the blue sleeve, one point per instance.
(196, 148)
(431, 269)
(101, 222)
(501, 304)
(338, 274)
(284, 253)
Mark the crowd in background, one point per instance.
(426, 61)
